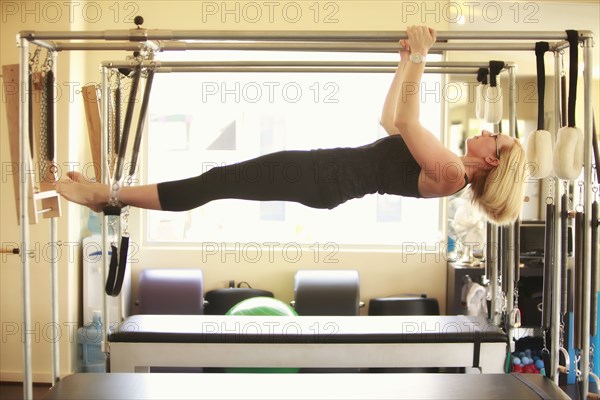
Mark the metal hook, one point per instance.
(567, 367)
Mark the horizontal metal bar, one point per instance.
(297, 69)
(47, 45)
(362, 47)
(141, 35)
(287, 63)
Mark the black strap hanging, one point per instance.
(573, 38)
(127, 123)
(563, 100)
(578, 279)
(549, 241)
(564, 252)
(112, 270)
(540, 49)
(141, 120)
(595, 149)
(495, 69)
(594, 268)
(117, 267)
(30, 108)
(117, 127)
(50, 115)
(482, 76)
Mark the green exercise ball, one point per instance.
(262, 306)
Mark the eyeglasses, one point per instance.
(495, 136)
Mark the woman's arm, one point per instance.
(442, 170)
(388, 114)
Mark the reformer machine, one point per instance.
(160, 40)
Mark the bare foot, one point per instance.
(84, 192)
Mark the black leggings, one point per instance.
(283, 176)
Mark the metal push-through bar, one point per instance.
(442, 67)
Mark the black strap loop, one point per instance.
(495, 68)
(482, 76)
(573, 37)
(117, 268)
(112, 210)
(112, 270)
(123, 253)
(540, 49)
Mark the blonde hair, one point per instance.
(499, 192)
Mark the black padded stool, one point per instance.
(404, 305)
(171, 291)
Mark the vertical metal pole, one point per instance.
(445, 129)
(556, 284)
(24, 155)
(509, 253)
(587, 262)
(492, 260)
(54, 264)
(104, 159)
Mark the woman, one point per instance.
(410, 162)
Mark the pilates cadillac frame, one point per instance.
(340, 41)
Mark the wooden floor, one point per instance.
(14, 390)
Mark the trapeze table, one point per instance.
(206, 341)
(304, 386)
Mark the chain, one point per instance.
(579, 207)
(44, 127)
(35, 59)
(125, 212)
(544, 345)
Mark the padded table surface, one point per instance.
(304, 386)
(305, 329)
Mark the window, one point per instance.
(200, 120)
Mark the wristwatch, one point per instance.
(417, 58)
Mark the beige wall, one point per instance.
(382, 273)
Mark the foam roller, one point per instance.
(539, 153)
(568, 153)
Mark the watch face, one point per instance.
(417, 58)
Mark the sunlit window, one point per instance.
(198, 121)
